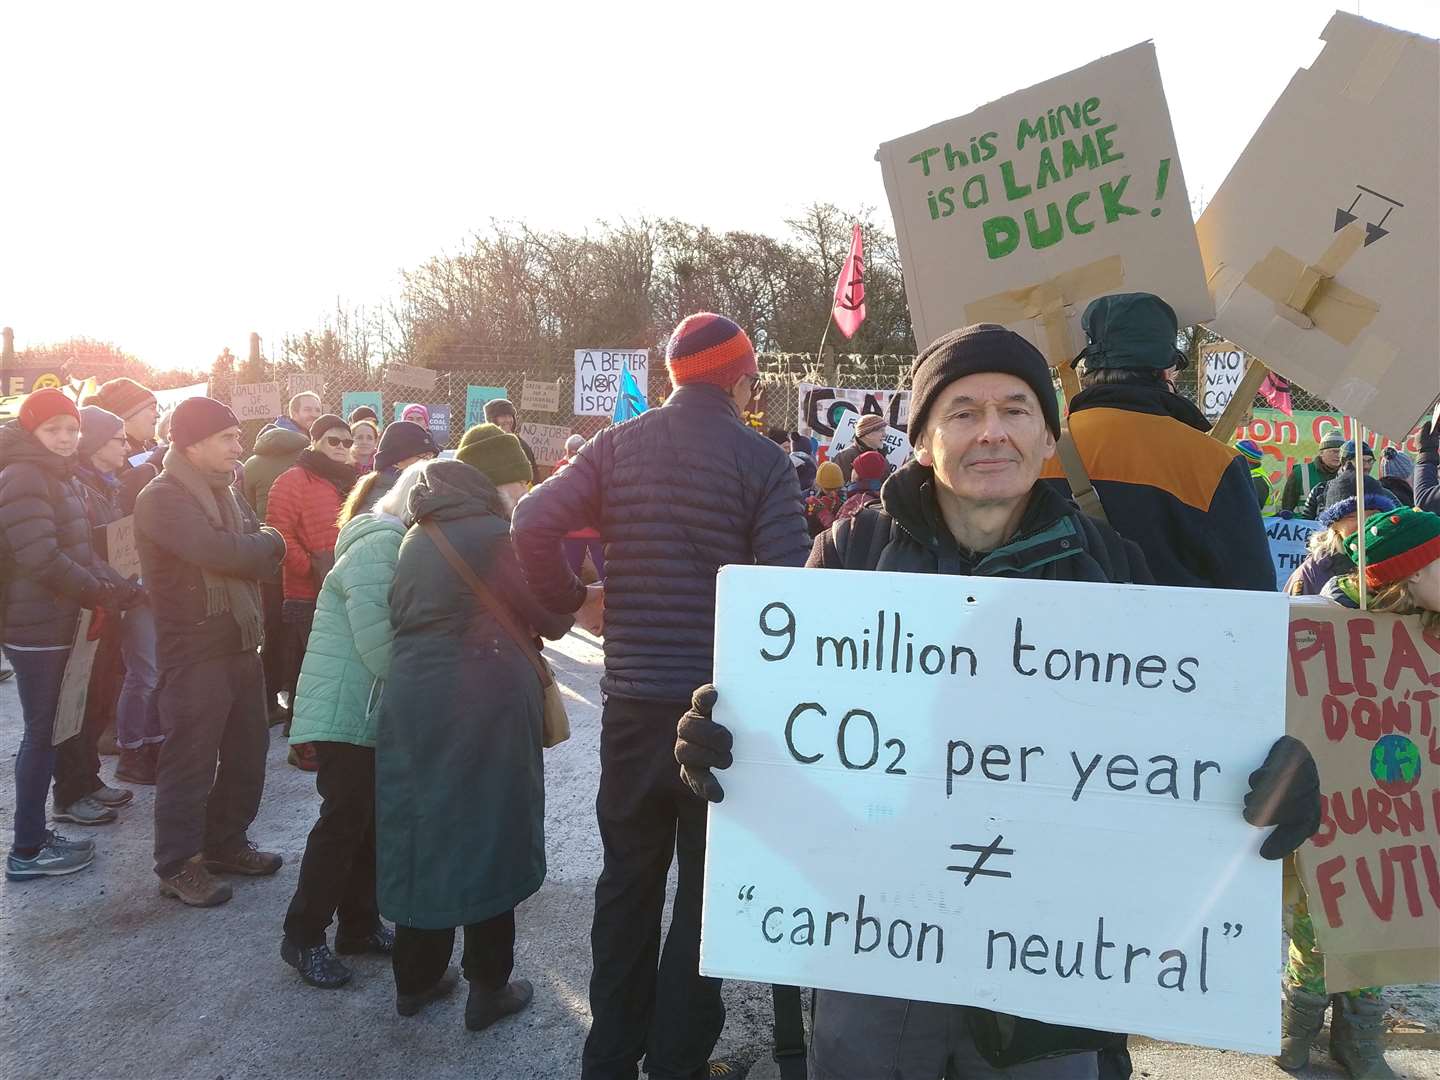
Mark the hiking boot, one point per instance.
(380, 940)
(1355, 1030)
(85, 811)
(136, 766)
(303, 757)
(484, 1007)
(244, 858)
(317, 965)
(56, 840)
(1301, 1018)
(112, 796)
(50, 861)
(193, 885)
(410, 1004)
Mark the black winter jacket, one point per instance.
(676, 493)
(175, 539)
(50, 567)
(133, 478)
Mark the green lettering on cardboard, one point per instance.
(1046, 172)
(1088, 111)
(1002, 236)
(1079, 228)
(1110, 196)
(1107, 150)
(978, 199)
(1075, 155)
(1007, 176)
(1053, 231)
(1027, 130)
(954, 157)
(924, 159)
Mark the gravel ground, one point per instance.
(101, 977)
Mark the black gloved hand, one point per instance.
(132, 594)
(105, 596)
(1285, 791)
(1429, 437)
(701, 745)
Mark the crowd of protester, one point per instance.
(383, 605)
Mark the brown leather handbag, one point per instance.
(557, 722)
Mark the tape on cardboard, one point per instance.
(1307, 294)
(1046, 303)
(1360, 381)
(1379, 61)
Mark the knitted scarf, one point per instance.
(239, 597)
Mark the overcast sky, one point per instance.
(176, 177)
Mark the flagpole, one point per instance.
(829, 318)
(1360, 509)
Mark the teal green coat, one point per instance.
(349, 652)
(459, 781)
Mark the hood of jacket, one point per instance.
(1336, 592)
(448, 489)
(18, 445)
(280, 442)
(361, 526)
(1141, 399)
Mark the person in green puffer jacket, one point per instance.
(346, 661)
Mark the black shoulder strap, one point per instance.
(789, 1031)
(870, 532)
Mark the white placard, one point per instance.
(597, 378)
(417, 378)
(166, 400)
(896, 448)
(1289, 540)
(895, 732)
(546, 440)
(256, 401)
(120, 550)
(1222, 367)
(540, 396)
(822, 408)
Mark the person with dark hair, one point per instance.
(303, 508)
(202, 555)
(1163, 482)
(501, 413)
(362, 412)
(366, 434)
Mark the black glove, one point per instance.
(1429, 438)
(701, 745)
(1285, 791)
(105, 596)
(132, 594)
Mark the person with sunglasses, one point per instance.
(304, 506)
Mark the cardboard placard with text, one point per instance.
(256, 401)
(597, 377)
(1298, 233)
(1021, 795)
(540, 396)
(1364, 696)
(546, 440)
(300, 382)
(416, 378)
(120, 550)
(75, 682)
(1043, 200)
(1222, 366)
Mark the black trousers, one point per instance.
(273, 652)
(421, 956)
(337, 874)
(645, 1002)
(212, 763)
(77, 759)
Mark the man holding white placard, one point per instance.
(984, 422)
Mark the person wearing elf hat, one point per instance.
(1306, 476)
(1325, 551)
(677, 493)
(1344, 479)
(1255, 458)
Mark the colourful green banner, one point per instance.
(1288, 440)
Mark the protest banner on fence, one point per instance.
(1332, 281)
(256, 401)
(305, 382)
(409, 375)
(351, 400)
(546, 440)
(120, 550)
(1288, 440)
(540, 396)
(1363, 695)
(165, 400)
(1288, 539)
(822, 408)
(475, 399)
(896, 447)
(597, 377)
(1222, 366)
(1026, 209)
(1018, 794)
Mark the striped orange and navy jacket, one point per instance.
(1183, 497)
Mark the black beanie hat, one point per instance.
(498, 406)
(973, 350)
(325, 423)
(196, 419)
(363, 412)
(403, 439)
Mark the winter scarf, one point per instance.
(341, 474)
(237, 596)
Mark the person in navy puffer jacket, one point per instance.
(676, 494)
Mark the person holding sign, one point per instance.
(984, 419)
(1164, 483)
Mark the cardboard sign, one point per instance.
(1024, 795)
(822, 408)
(1222, 366)
(120, 550)
(75, 683)
(351, 400)
(540, 396)
(1288, 544)
(1028, 208)
(896, 448)
(597, 377)
(302, 382)
(1332, 279)
(166, 400)
(417, 378)
(547, 440)
(256, 401)
(1363, 697)
(475, 399)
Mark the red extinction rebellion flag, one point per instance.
(849, 308)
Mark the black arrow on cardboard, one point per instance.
(1344, 217)
(1375, 232)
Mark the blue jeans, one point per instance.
(137, 714)
(38, 676)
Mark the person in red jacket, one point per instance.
(304, 505)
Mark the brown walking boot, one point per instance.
(1301, 1018)
(484, 1007)
(1355, 1029)
(193, 885)
(243, 858)
(410, 1004)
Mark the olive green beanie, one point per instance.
(496, 453)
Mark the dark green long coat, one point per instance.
(459, 781)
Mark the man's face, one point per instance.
(220, 453)
(1330, 458)
(112, 455)
(335, 444)
(986, 439)
(872, 440)
(141, 426)
(306, 412)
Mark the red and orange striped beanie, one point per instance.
(709, 348)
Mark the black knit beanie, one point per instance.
(973, 350)
(196, 419)
(403, 439)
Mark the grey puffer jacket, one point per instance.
(50, 567)
(676, 493)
